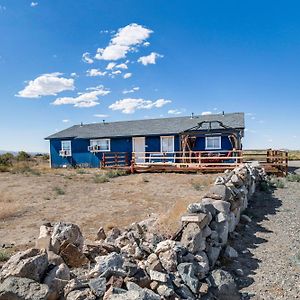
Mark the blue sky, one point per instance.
(64, 62)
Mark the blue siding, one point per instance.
(82, 157)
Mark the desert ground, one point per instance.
(36, 196)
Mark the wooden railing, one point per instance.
(114, 159)
(199, 158)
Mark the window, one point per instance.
(212, 142)
(102, 144)
(66, 148)
(167, 143)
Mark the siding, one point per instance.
(82, 157)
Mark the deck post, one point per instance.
(103, 160)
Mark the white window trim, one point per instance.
(213, 148)
(167, 136)
(109, 147)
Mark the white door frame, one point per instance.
(137, 159)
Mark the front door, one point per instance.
(138, 146)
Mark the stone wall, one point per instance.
(137, 263)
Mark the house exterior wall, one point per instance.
(82, 157)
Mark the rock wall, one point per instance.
(137, 263)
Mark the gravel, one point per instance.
(269, 246)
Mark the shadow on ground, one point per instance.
(261, 207)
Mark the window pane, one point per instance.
(213, 142)
(167, 143)
(66, 145)
(104, 144)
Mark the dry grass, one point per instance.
(8, 208)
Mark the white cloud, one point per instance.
(116, 72)
(174, 112)
(101, 116)
(87, 99)
(47, 84)
(86, 58)
(123, 42)
(134, 89)
(122, 66)
(149, 59)
(34, 4)
(65, 121)
(95, 72)
(127, 75)
(205, 113)
(130, 105)
(73, 74)
(2, 8)
(110, 66)
(146, 44)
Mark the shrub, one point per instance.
(59, 191)
(116, 173)
(4, 168)
(101, 178)
(24, 169)
(293, 178)
(23, 156)
(6, 159)
(4, 256)
(277, 183)
(81, 171)
(197, 186)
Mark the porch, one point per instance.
(274, 161)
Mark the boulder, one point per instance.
(98, 286)
(192, 238)
(219, 192)
(230, 252)
(245, 219)
(222, 230)
(158, 276)
(168, 260)
(165, 291)
(222, 206)
(85, 294)
(187, 273)
(66, 232)
(112, 261)
(31, 264)
(56, 280)
(213, 254)
(17, 288)
(112, 235)
(100, 234)
(224, 285)
(71, 254)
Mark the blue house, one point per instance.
(147, 141)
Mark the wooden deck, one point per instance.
(273, 161)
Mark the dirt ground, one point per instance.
(29, 200)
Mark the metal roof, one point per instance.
(146, 127)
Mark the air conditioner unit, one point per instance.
(94, 148)
(65, 153)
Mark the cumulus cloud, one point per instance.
(34, 4)
(95, 72)
(174, 112)
(116, 72)
(65, 121)
(110, 66)
(47, 84)
(205, 113)
(86, 58)
(124, 41)
(130, 105)
(122, 66)
(73, 74)
(149, 59)
(134, 89)
(127, 75)
(89, 98)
